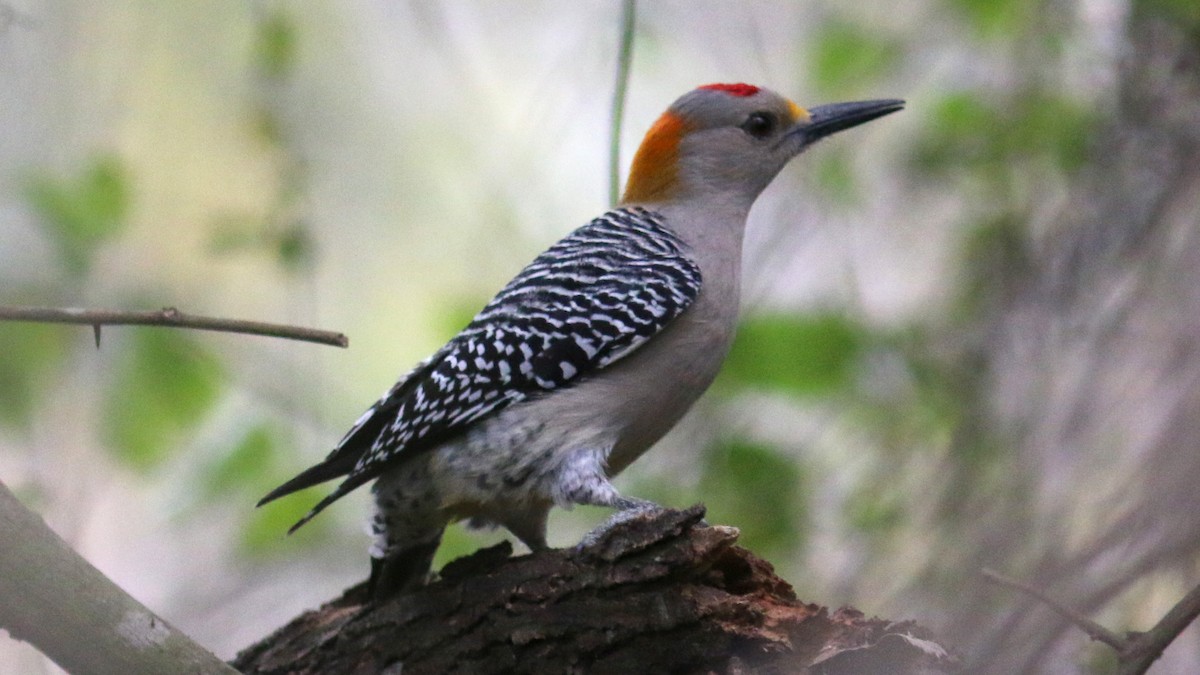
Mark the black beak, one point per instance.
(830, 119)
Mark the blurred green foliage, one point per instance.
(457, 315)
(246, 465)
(996, 251)
(974, 133)
(848, 58)
(807, 355)
(758, 488)
(235, 233)
(30, 354)
(835, 176)
(282, 231)
(1183, 12)
(286, 240)
(249, 469)
(997, 19)
(265, 531)
(165, 381)
(294, 247)
(83, 212)
(275, 43)
(875, 508)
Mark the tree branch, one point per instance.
(169, 317)
(658, 593)
(1135, 651)
(1147, 647)
(56, 601)
(1094, 630)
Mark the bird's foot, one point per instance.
(628, 508)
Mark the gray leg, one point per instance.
(583, 481)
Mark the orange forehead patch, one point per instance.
(654, 173)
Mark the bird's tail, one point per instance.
(313, 476)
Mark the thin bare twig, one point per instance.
(624, 58)
(169, 317)
(1135, 651)
(1093, 629)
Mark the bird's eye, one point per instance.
(759, 124)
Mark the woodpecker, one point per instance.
(590, 354)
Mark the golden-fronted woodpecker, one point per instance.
(591, 354)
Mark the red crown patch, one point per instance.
(739, 89)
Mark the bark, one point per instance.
(662, 593)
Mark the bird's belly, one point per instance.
(515, 457)
(653, 412)
(635, 402)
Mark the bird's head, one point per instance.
(730, 140)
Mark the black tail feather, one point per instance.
(336, 465)
(340, 463)
(342, 490)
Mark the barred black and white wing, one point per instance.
(585, 303)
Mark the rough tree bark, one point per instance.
(660, 593)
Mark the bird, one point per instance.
(590, 355)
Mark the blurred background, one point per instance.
(971, 334)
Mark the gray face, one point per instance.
(725, 143)
(739, 138)
(737, 143)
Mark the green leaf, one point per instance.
(755, 487)
(28, 353)
(84, 212)
(847, 58)
(806, 355)
(165, 383)
(276, 44)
